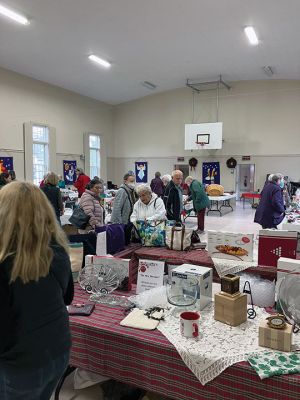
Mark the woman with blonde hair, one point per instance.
(35, 286)
(53, 194)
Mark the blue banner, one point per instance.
(141, 172)
(69, 171)
(6, 164)
(210, 173)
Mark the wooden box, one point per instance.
(277, 339)
(231, 310)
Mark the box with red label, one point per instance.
(273, 244)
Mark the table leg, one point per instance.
(212, 209)
(68, 371)
(243, 203)
(226, 203)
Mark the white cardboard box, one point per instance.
(285, 266)
(204, 276)
(231, 246)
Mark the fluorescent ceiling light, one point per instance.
(100, 61)
(251, 35)
(13, 15)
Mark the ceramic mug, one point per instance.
(189, 324)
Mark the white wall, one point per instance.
(24, 99)
(260, 119)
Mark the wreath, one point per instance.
(231, 163)
(193, 162)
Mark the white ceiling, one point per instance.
(161, 41)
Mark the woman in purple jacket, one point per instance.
(270, 211)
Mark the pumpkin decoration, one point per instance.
(231, 163)
(193, 162)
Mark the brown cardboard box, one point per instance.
(231, 310)
(277, 339)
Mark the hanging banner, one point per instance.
(210, 173)
(141, 172)
(69, 168)
(6, 164)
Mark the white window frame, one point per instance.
(87, 159)
(28, 148)
(96, 168)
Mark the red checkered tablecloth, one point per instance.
(148, 360)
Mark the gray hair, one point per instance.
(275, 177)
(176, 172)
(166, 177)
(143, 189)
(189, 178)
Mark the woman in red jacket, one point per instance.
(81, 182)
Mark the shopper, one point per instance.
(166, 179)
(53, 194)
(35, 286)
(200, 200)
(173, 197)
(90, 203)
(5, 178)
(12, 175)
(61, 183)
(270, 211)
(124, 200)
(81, 181)
(149, 207)
(157, 185)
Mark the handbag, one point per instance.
(79, 218)
(152, 233)
(178, 237)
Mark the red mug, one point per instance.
(189, 324)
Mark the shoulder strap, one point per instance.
(129, 199)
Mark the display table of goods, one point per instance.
(213, 365)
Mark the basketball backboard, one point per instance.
(203, 136)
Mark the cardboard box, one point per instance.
(273, 244)
(204, 276)
(277, 339)
(119, 265)
(232, 246)
(287, 266)
(231, 310)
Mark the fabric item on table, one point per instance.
(115, 237)
(224, 267)
(275, 363)
(219, 345)
(84, 379)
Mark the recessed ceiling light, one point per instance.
(13, 15)
(100, 61)
(251, 35)
(149, 85)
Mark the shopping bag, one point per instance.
(79, 218)
(178, 237)
(115, 237)
(152, 233)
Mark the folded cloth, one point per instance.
(275, 363)
(83, 378)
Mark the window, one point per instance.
(94, 149)
(40, 152)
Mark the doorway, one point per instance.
(245, 176)
(184, 168)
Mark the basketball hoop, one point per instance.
(200, 145)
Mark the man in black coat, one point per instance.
(173, 197)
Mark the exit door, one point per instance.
(245, 176)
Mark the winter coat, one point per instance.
(90, 203)
(173, 202)
(54, 196)
(81, 183)
(157, 186)
(198, 195)
(123, 205)
(270, 211)
(153, 211)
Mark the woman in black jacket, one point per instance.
(53, 194)
(35, 286)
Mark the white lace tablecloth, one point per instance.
(224, 266)
(219, 345)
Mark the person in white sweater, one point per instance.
(149, 207)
